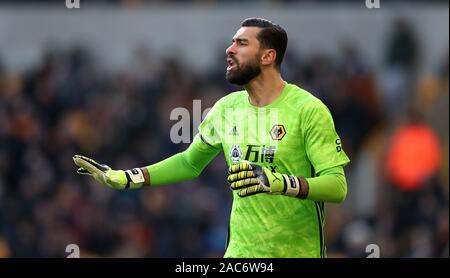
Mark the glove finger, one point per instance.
(87, 164)
(83, 171)
(252, 190)
(244, 183)
(240, 176)
(101, 167)
(242, 166)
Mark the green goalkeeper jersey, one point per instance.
(293, 135)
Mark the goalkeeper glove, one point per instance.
(116, 179)
(252, 179)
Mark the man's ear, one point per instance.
(268, 57)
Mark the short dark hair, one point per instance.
(271, 36)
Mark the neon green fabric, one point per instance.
(293, 135)
(182, 166)
(329, 186)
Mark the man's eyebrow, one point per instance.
(239, 40)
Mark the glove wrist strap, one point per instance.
(295, 186)
(135, 178)
(292, 185)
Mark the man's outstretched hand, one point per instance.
(116, 179)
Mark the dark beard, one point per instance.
(242, 76)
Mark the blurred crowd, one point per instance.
(68, 104)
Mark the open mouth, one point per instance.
(231, 64)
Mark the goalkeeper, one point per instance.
(285, 158)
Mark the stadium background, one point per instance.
(102, 80)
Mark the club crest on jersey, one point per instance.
(236, 153)
(277, 132)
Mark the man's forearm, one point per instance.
(147, 180)
(329, 186)
(180, 167)
(171, 170)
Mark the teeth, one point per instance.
(231, 64)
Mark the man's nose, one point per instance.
(230, 50)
